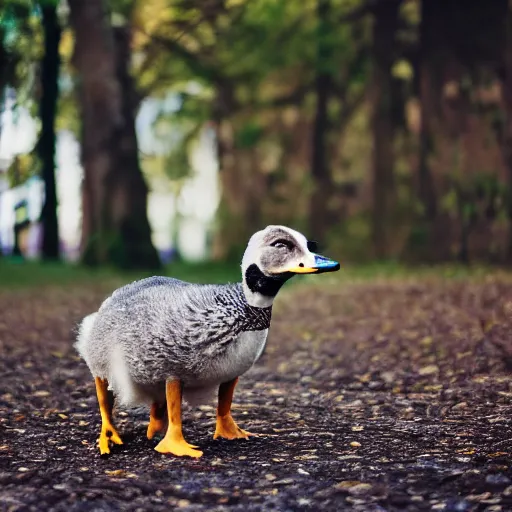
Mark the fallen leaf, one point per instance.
(41, 393)
(429, 370)
(116, 472)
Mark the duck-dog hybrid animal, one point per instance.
(158, 340)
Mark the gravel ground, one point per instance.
(394, 395)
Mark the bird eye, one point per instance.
(312, 246)
(280, 244)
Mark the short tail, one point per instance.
(84, 331)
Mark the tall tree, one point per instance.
(428, 55)
(116, 229)
(507, 132)
(386, 18)
(323, 85)
(47, 111)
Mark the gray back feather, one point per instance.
(169, 327)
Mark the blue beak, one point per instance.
(323, 264)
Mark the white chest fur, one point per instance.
(238, 358)
(246, 351)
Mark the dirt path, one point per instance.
(374, 397)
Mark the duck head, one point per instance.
(273, 256)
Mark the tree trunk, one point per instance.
(2, 108)
(115, 223)
(426, 190)
(507, 132)
(126, 186)
(383, 124)
(46, 145)
(322, 185)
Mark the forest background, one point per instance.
(380, 128)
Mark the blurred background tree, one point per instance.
(382, 128)
(49, 94)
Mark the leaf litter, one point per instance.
(400, 398)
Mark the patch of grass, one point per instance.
(394, 272)
(442, 271)
(390, 269)
(26, 274)
(206, 272)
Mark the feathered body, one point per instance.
(161, 328)
(159, 340)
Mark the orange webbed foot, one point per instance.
(228, 429)
(176, 445)
(108, 435)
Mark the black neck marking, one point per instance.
(258, 282)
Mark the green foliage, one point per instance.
(352, 240)
(248, 135)
(177, 130)
(21, 47)
(418, 237)
(177, 164)
(22, 168)
(482, 195)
